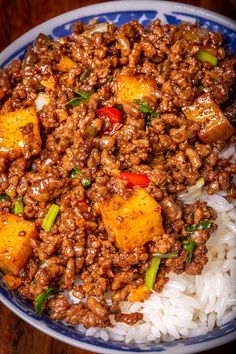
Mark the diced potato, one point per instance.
(214, 125)
(140, 294)
(65, 64)
(12, 140)
(15, 234)
(11, 281)
(133, 221)
(129, 88)
(49, 83)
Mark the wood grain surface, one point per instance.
(17, 17)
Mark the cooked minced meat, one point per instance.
(97, 142)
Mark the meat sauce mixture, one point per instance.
(101, 131)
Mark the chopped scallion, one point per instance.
(49, 219)
(4, 196)
(74, 172)
(18, 207)
(85, 182)
(151, 273)
(190, 246)
(206, 57)
(202, 225)
(173, 254)
(40, 301)
(83, 96)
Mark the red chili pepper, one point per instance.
(113, 116)
(135, 179)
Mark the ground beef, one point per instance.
(78, 254)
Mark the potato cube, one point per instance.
(65, 64)
(140, 294)
(15, 234)
(12, 139)
(214, 125)
(133, 221)
(129, 88)
(11, 281)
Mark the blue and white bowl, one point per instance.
(119, 12)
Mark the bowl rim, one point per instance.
(96, 9)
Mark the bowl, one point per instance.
(119, 12)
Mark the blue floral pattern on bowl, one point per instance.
(66, 333)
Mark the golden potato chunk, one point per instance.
(65, 64)
(140, 294)
(15, 234)
(129, 88)
(133, 221)
(214, 125)
(13, 140)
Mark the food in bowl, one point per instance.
(117, 155)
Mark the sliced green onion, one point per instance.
(83, 97)
(49, 219)
(18, 207)
(203, 225)
(74, 172)
(151, 273)
(200, 88)
(206, 57)
(4, 196)
(145, 108)
(98, 27)
(86, 182)
(190, 246)
(75, 102)
(40, 301)
(110, 79)
(173, 254)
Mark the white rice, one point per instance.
(188, 305)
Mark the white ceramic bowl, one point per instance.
(119, 12)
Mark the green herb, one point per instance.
(206, 57)
(74, 172)
(116, 311)
(110, 79)
(145, 108)
(40, 301)
(49, 219)
(203, 225)
(85, 182)
(190, 246)
(19, 206)
(200, 88)
(4, 196)
(83, 96)
(151, 273)
(173, 254)
(84, 75)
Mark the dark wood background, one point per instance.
(17, 17)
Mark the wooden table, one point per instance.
(17, 17)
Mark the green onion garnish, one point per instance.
(151, 273)
(83, 96)
(202, 225)
(145, 108)
(173, 254)
(40, 301)
(110, 79)
(85, 182)
(19, 206)
(74, 172)
(190, 246)
(206, 57)
(4, 196)
(200, 88)
(49, 219)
